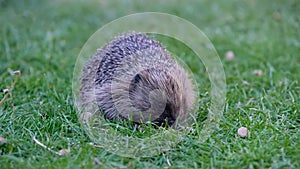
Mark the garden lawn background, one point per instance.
(44, 38)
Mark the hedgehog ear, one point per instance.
(135, 82)
(137, 78)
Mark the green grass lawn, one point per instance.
(43, 40)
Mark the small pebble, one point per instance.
(277, 16)
(64, 152)
(257, 72)
(246, 83)
(242, 131)
(2, 140)
(229, 55)
(5, 91)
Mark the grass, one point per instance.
(43, 39)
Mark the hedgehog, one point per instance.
(134, 78)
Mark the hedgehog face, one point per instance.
(154, 92)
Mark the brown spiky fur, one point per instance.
(134, 77)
